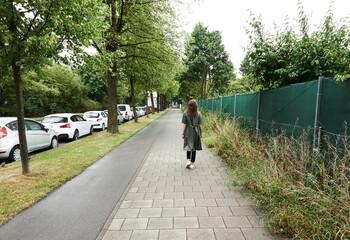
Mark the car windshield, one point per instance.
(91, 115)
(55, 120)
(121, 108)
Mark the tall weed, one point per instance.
(304, 193)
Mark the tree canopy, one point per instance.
(292, 56)
(208, 69)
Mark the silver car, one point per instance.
(38, 137)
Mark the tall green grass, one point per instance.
(304, 194)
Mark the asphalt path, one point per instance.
(79, 208)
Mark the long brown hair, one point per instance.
(192, 108)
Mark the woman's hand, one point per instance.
(183, 136)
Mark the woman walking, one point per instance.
(192, 132)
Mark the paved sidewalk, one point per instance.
(167, 201)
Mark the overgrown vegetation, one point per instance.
(304, 194)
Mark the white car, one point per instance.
(125, 109)
(98, 119)
(68, 125)
(141, 110)
(38, 137)
(120, 116)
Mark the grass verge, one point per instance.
(303, 194)
(51, 169)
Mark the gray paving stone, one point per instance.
(116, 224)
(153, 196)
(176, 234)
(243, 211)
(202, 234)
(134, 189)
(246, 201)
(237, 222)
(219, 211)
(140, 184)
(127, 213)
(146, 189)
(256, 233)
(196, 211)
(165, 189)
(191, 183)
(201, 189)
(163, 203)
(219, 188)
(173, 183)
(150, 212)
(184, 203)
(135, 196)
(126, 204)
(193, 195)
(135, 223)
(174, 195)
(232, 194)
(213, 195)
(160, 223)
(144, 235)
(211, 222)
(183, 188)
(229, 234)
(157, 184)
(141, 203)
(227, 202)
(186, 222)
(117, 235)
(256, 221)
(205, 203)
(173, 212)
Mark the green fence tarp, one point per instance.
(291, 107)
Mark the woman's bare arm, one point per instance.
(183, 131)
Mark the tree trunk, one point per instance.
(152, 101)
(112, 78)
(133, 99)
(20, 118)
(112, 100)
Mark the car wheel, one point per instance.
(15, 154)
(92, 130)
(54, 143)
(76, 135)
(103, 127)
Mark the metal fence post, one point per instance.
(258, 116)
(212, 105)
(234, 108)
(316, 143)
(221, 105)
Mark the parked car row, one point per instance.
(128, 112)
(46, 134)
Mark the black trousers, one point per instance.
(191, 155)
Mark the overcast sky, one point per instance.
(230, 16)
